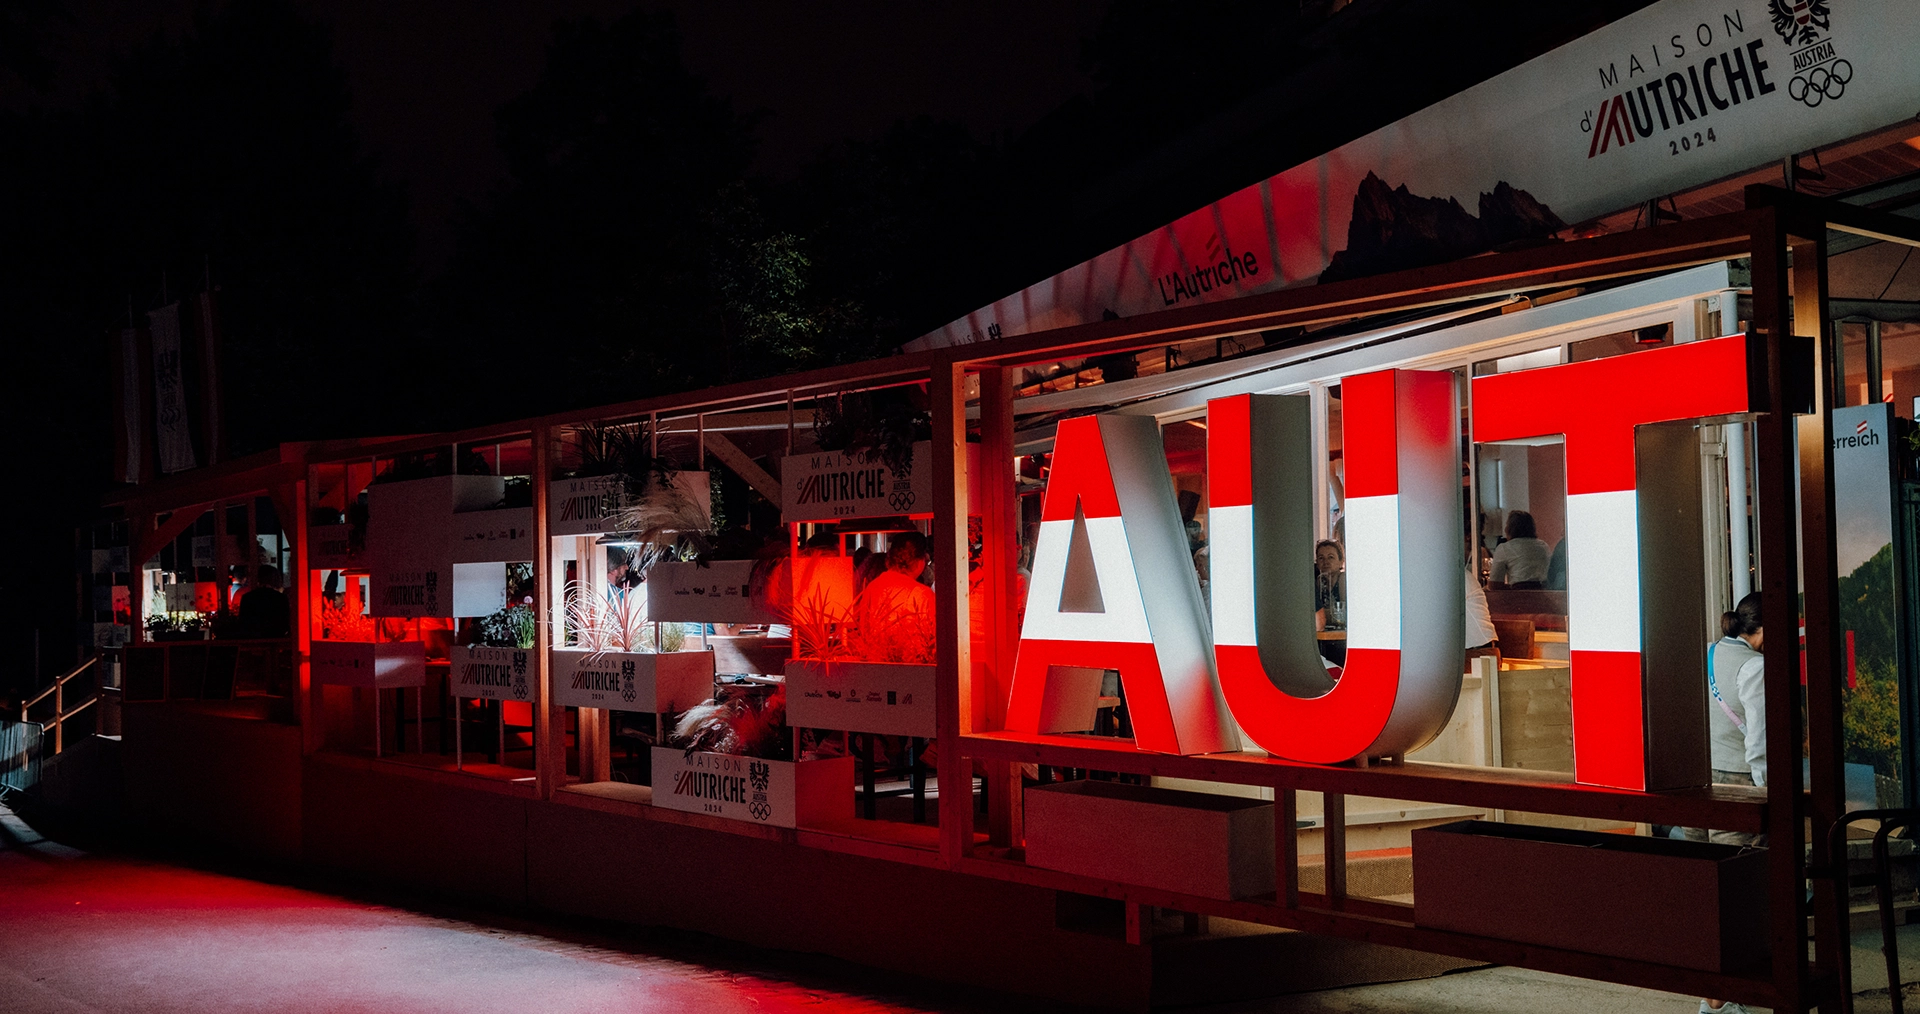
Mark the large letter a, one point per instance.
(1110, 517)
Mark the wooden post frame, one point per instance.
(999, 561)
(549, 720)
(953, 697)
(1780, 569)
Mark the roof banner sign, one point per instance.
(1676, 95)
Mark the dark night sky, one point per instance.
(427, 74)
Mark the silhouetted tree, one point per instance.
(594, 261)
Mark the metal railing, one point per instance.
(58, 691)
(20, 754)
(1880, 877)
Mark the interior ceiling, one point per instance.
(1878, 271)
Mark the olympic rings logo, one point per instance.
(901, 501)
(1821, 83)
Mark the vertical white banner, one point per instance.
(169, 391)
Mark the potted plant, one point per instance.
(617, 662)
(618, 486)
(495, 664)
(162, 627)
(732, 756)
(858, 672)
(874, 459)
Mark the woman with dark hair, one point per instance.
(1737, 693)
(1521, 561)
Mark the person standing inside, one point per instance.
(263, 609)
(894, 614)
(1521, 561)
(1330, 585)
(1737, 702)
(1737, 725)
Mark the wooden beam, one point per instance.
(953, 696)
(155, 535)
(549, 720)
(1777, 512)
(1726, 807)
(735, 422)
(1825, 657)
(1852, 218)
(745, 467)
(1002, 598)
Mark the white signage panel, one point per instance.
(492, 536)
(834, 486)
(411, 591)
(884, 698)
(722, 591)
(591, 505)
(1862, 483)
(369, 664)
(837, 486)
(772, 792)
(669, 682)
(494, 674)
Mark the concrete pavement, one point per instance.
(84, 931)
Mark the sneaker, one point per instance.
(1728, 1007)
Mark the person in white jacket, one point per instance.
(1737, 698)
(1737, 724)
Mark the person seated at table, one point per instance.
(1521, 561)
(893, 616)
(1329, 585)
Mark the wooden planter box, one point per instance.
(1690, 904)
(369, 663)
(494, 674)
(588, 505)
(631, 680)
(890, 699)
(1194, 843)
(775, 793)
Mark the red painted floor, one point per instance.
(84, 932)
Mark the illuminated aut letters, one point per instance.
(1597, 405)
(1404, 561)
(1113, 587)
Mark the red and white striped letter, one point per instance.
(1596, 405)
(1404, 560)
(1114, 588)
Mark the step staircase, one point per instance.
(38, 729)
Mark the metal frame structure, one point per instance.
(1785, 236)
